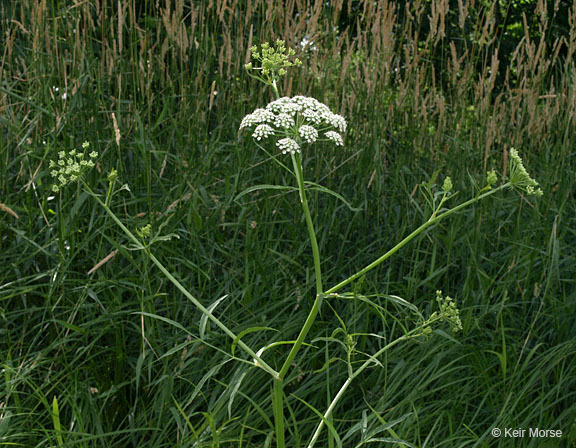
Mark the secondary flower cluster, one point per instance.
(448, 312)
(520, 178)
(296, 120)
(70, 166)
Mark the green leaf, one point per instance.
(264, 187)
(386, 440)
(70, 326)
(235, 387)
(315, 186)
(56, 421)
(325, 420)
(204, 318)
(277, 343)
(248, 331)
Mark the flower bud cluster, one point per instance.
(71, 166)
(448, 312)
(274, 60)
(144, 232)
(520, 178)
(295, 121)
(491, 178)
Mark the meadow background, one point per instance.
(429, 88)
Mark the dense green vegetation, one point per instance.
(112, 355)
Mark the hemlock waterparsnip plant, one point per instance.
(287, 128)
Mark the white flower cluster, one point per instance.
(262, 131)
(308, 133)
(335, 137)
(256, 117)
(287, 145)
(283, 121)
(296, 120)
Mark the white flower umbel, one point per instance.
(284, 121)
(256, 117)
(335, 137)
(288, 146)
(308, 133)
(296, 121)
(262, 131)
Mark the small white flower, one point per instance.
(335, 120)
(262, 131)
(287, 145)
(311, 115)
(335, 137)
(284, 121)
(308, 133)
(256, 117)
(278, 105)
(247, 121)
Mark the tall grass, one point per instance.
(159, 89)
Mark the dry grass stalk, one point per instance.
(102, 262)
(116, 129)
(387, 58)
(8, 210)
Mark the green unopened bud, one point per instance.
(113, 175)
(248, 66)
(145, 231)
(447, 186)
(491, 178)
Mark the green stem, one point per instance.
(347, 383)
(415, 233)
(317, 271)
(275, 88)
(434, 219)
(278, 409)
(278, 384)
(300, 340)
(258, 360)
(315, 252)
